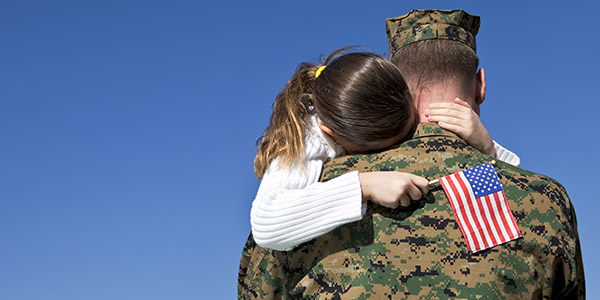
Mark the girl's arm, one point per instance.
(292, 207)
(460, 118)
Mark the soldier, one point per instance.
(419, 252)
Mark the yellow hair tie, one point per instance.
(319, 70)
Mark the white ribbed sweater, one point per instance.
(292, 207)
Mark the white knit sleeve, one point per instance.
(506, 155)
(292, 207)
(283, 218)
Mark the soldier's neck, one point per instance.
(437, 94)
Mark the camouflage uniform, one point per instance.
(420, 253)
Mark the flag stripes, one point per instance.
(484, 221)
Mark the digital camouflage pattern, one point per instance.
(419, 252)
(419, 25)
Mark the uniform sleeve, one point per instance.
(506, 155)
(291, 207)
(261, 274)
(566, 270)
(577, 276)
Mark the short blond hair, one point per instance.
(430, 61)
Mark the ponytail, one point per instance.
(284, 137)
(360, 96)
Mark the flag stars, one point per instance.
(483, 180)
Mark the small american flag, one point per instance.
(480, 207)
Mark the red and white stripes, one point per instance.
(486, 221)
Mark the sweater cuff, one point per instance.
(506, 155)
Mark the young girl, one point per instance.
(358, 103)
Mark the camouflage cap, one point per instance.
(419, 25)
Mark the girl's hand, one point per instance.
(459, 118)
(392, 189)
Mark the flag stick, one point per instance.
(436, 181)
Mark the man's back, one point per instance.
(420, 252)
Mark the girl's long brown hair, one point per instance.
(360, 96)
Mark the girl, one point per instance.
(358, 103)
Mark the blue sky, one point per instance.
(128, 128)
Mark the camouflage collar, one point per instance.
(431, 129)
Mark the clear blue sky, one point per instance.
(128, 127)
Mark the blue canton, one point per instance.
(483, 180)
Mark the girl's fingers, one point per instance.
(420, 187)
(458, 111)
(440, 112)
(422, 184)
(452, 127)
(424, 189)
(456, 104)
(404, 200)
(414, 192)
(445, 119)
(462, 103)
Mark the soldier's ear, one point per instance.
(326, 130)
(480, 87)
